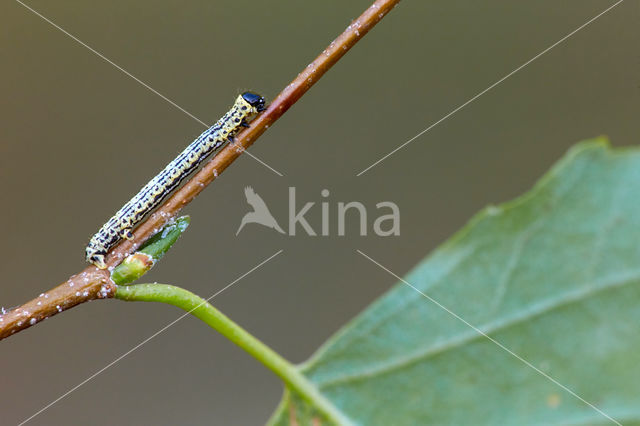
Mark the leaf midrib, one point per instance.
(537, 310)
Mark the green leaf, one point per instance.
(140, 262)
(553, 276)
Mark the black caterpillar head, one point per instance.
(254, 100)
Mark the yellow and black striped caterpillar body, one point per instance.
(153, 193)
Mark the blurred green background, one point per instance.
(79, 138)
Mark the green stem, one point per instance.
(201, 309)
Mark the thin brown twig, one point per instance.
(93, 283)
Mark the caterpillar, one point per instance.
(157, 189)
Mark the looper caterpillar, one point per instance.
(157, 189)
